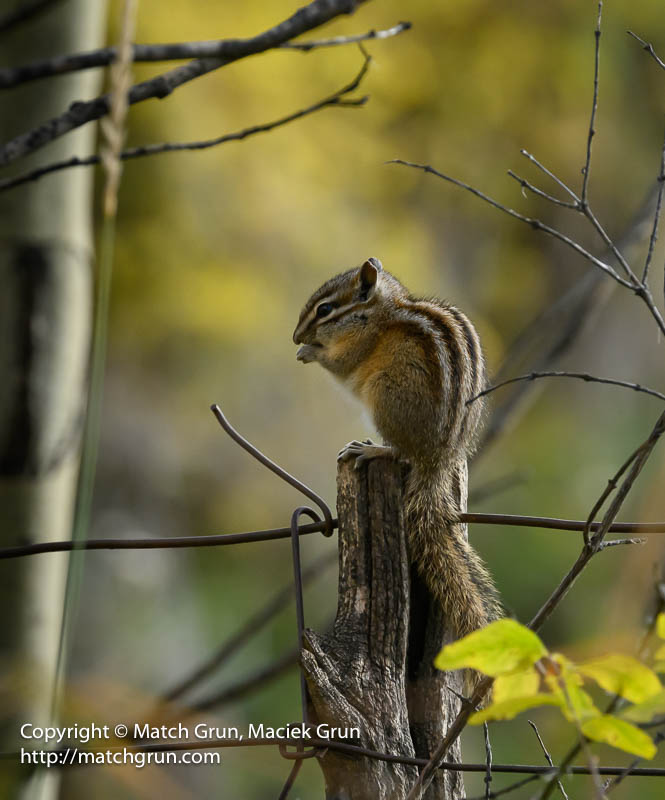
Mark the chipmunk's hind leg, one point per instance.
(364, 451)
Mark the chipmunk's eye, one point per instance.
(324, 309)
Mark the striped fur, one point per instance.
(414, 363)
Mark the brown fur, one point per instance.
(414, 363)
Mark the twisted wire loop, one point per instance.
(273, 467)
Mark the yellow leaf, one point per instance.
(646, 711)
(660, 625)
(624, 675)
(660, 653)
(500, 647)
(620, 734)
(516, 684)
(576, 704)
(511, 708)
(659, 666)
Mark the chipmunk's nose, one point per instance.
(296, 337)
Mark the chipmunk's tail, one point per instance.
(451, 569)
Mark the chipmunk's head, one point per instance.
(339, 319)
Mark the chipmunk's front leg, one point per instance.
(364, 451)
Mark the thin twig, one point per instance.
(547, 756)
(549, 197)
(584, 376)
(649, 48)
(536, 224)
(335, 41)
(632, 283)
(551, 175)
(607, 240)
(596, 540)
(61, 65)
(656, 216)
(607, 491)
(554, 330)
(310, 16)
(594, 106)
(335, 99)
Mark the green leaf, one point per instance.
(646, 711)
(623, 675)
(516, 684)
(500, 647)
(659, 666)
(620, 734)
(660, 625)
(511, 708)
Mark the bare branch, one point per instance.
(336, 99)
(594, 107)
(649, 48)
(550, 198)
(25, 12)
(310, 16)
(550, 174)
(596, 540)
(336, 41)
(584, 376)
(547, 756)
(656, 216)
(61, 65)
(607, 491)
(633, 283)
(534, 223)
(554, 330)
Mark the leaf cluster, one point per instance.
(527, 675)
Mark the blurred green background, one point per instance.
(218, 250)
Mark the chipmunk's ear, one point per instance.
(369, 272)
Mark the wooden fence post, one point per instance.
(374, 670)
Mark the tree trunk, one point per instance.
(46, 257)
(374, 671)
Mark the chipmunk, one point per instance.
(414, 364)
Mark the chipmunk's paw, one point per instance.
(363, 451)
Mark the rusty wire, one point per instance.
(269, 534)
